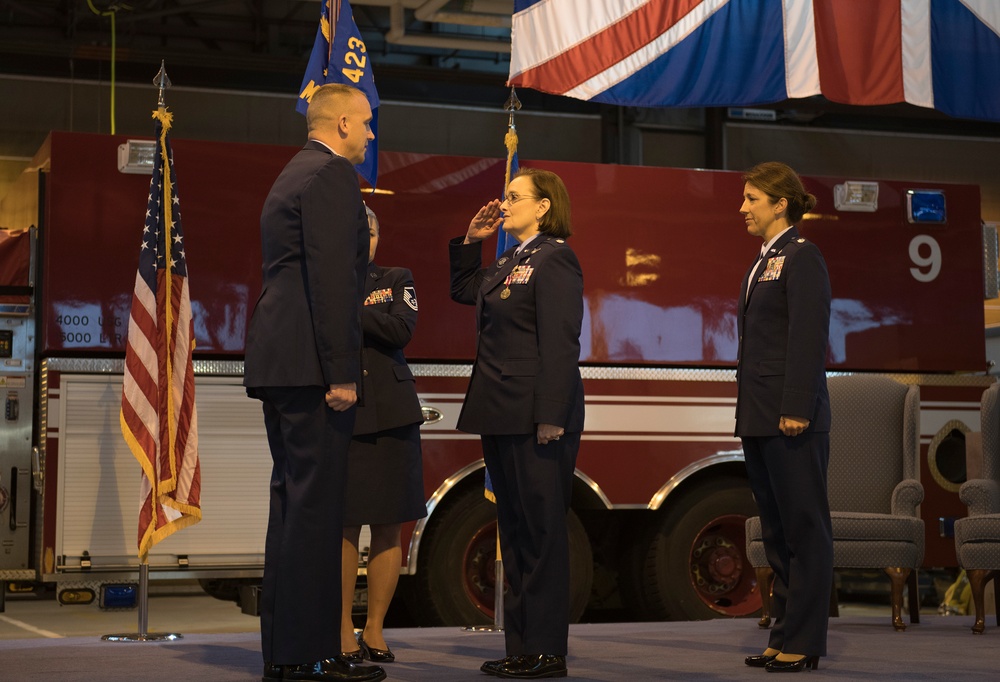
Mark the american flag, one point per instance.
(695, 53)
(158, 416)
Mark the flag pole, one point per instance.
(143, 635)
(512, 105)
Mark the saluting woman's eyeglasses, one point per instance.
(514, 198)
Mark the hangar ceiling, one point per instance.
(252, 44)
(447, 51)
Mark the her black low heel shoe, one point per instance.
(375, 655)
(356, 656)
(807, 662)
(759, 661)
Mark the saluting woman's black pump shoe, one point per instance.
(807, 662)
(759, 661)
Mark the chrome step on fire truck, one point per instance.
(661, 494)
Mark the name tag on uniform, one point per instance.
(773, 269)
(379, 296)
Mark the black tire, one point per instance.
(696, 566)
(456, 570)
(222, 588)
(631, 571)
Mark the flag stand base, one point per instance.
(142, 635)
(497, 601)
(481, 628)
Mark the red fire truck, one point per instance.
(661, 494)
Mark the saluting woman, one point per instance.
(525, 399)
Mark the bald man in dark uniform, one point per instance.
(303, 360)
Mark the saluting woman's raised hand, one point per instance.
(485, 222)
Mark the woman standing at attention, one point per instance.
(385, 485)
(783, 413)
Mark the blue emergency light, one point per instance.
(926, 206)
(122, 596)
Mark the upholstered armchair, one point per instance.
(977, 536)
(873, 487)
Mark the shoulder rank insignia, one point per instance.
(410, 297)
(800, 240)
(501, 262)
(773, 269)
(379, 296)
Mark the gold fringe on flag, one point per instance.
(510, 141)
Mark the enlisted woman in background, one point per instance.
(385, 484)
(783, 413)
(525, 399)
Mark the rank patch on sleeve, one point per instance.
(410, 297)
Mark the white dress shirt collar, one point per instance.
(767, 247)
(332, 150)
(525, 243)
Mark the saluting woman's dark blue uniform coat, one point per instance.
(528, 352)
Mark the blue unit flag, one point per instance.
(339, 55)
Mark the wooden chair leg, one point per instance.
(978, 578)
(898, 577)
(914, 597)
(834, 604)
(764, 581)
(996, 596)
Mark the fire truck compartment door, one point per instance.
(98, 500)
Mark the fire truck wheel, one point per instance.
(224, 589)
(631, 570)
(456, 572)
(696, 566)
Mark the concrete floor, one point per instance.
(183, 609)
(27, 618)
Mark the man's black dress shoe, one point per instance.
(334, 670)
(533, 667)
(272, 672)
(759, 661)
(493, 667)
(807, 662)
(374, 655)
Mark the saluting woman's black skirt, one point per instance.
(385, 482)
